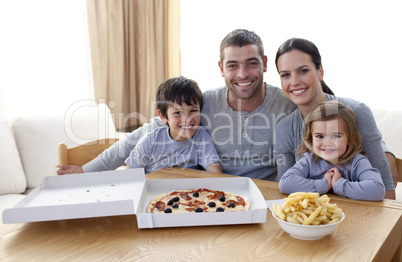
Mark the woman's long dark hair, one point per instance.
(307, 47)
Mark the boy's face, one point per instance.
(183, 120)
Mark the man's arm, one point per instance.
(114, 156)
(68, 169)
(215, 167)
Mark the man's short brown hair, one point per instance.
(241, 37)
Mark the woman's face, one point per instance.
(300, 80)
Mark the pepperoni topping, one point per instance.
(240, 201)
(233, 203)
(160, 205)
(190, 209)
(205, 190)
(218, 194)
(185, 196)
(194, 203)
(229, 203)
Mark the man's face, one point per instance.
(243, 70)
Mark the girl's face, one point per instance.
(330, 140)
(183, 120)
(300, 80)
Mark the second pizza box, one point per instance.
(123, 192)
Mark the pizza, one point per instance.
(200, 200)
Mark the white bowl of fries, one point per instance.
(308, 216)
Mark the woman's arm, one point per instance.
(284, 147)
(372, 144)
(114, 156)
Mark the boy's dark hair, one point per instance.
(177, 90)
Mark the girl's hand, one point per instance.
(336, 176)
(328, 177)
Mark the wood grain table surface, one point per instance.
(371, 231)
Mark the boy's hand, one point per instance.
(328, 177)
(69, 169)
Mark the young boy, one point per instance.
(182, 142)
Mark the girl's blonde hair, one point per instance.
(328, 111)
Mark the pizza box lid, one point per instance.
(125, 192)
(94, 194)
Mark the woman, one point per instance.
(298, 62)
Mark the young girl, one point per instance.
(331, 157)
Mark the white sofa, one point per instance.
(28, 145)
(390, 125)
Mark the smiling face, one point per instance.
(300, 80)
(329, 139)
(243, 68)
(183, 120)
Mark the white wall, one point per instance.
(360, 41)
(43, 56)
(44, 48)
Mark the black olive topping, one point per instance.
(196, 194)
(168, 210)
(175, 206)
(232, 204)
(198, 209)
(170, 202)
(220, 209)
(211, 204)
(176, 199)
(222, 198)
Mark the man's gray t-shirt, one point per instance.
(245, 140)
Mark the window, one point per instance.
(44, 65)
(359, 41)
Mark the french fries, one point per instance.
(308, 209)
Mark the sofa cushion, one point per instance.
(11, 173)
(37, 137)
(390, 124)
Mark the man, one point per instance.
(241, 117)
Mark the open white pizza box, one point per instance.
(125, 192)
